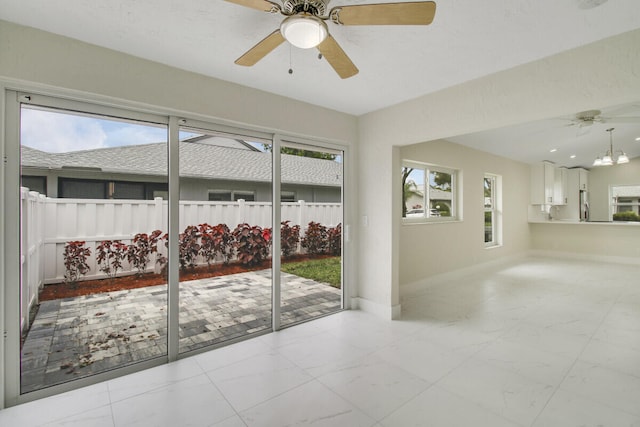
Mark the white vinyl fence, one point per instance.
(48, 224)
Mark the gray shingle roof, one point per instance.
(197, 160)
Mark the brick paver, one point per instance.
(77, 337)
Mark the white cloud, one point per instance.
(57, 133)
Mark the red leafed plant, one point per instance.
(289, 238)
(139, 252)
(188, 247)
(75, 261)
(251, 244)
(315, 238)
(111, 254)
(334, 240)
(216, 241)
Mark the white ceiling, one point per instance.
(533, 142)
(468, 39)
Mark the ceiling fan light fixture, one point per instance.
(304, 30)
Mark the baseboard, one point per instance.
(380, 310)
(585, 257)
(422, 284)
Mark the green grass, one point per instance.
(326, 270)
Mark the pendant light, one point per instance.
(609, 158)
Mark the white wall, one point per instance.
(594, 76)
(600, 181)
(430, 249)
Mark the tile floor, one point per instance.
(540, 342)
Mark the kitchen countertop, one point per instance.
(588, 223)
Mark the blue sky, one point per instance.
(55, 132)
(59, 132)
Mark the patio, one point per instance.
(77, 337)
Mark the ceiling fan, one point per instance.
(585, 119)
(305, 27)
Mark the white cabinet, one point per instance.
(560, 186)
(583, 177)
(542, 183)
(576, 182)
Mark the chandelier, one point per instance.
(608, 158)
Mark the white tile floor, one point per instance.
(537, 343)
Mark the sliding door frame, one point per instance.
(11, 100)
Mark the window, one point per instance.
(287, 196)
(247, 196)
(219, 195)
(35, 183)
(625, 202)
(429, 193)
(492, 210)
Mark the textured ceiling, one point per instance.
(468, 39)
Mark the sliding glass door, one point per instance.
(225, 237)
(93, 210)
(311, 182)
(142, 238)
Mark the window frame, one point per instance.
(495, 209)
(456, 193)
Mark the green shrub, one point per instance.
(626, 216)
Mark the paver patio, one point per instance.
(77, 337)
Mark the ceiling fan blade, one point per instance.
(336, 57)
(414, 13)
(263, 5)
(261, 49)
(620, 119)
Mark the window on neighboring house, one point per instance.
(219, 195)
(70, 188)
(287, 196)
(625, 202)
(35, 183)
(247, 196)
(492, 210)
(429, 193)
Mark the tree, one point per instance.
(302, 153)
(409, 189)
(441, 181)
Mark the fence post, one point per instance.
(157, 213)
(301, 212)
(241, 211)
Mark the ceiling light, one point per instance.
(638, 138)
(573, 156)
(553, 150)
(609, 158)
(304, 30)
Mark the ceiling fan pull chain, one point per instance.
(290, 61)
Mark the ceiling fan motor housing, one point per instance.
(314, 7)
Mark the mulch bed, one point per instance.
(88, 287)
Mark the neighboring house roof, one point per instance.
(197, 160)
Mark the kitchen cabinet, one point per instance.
(560, 186)
(583, 177)
(576, 182)
(543, 178)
